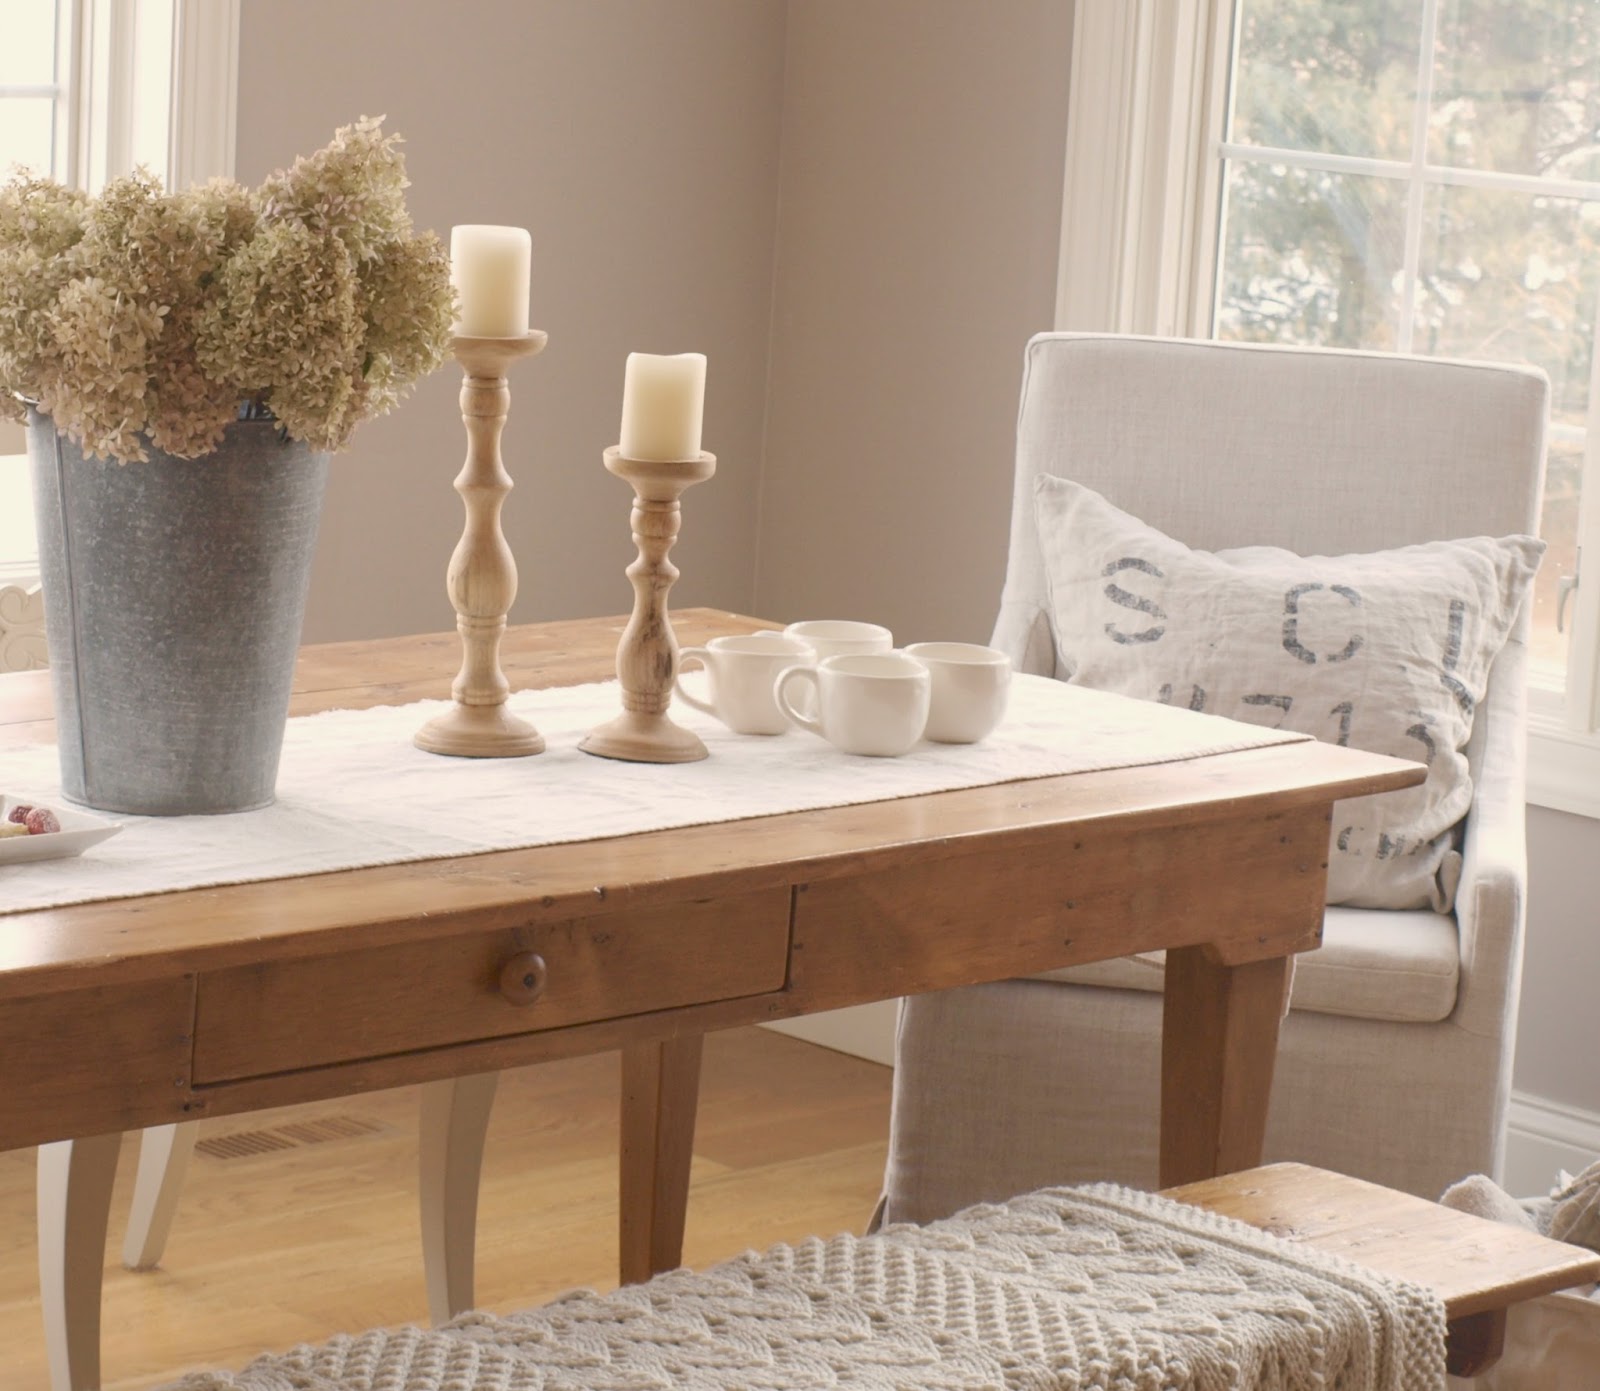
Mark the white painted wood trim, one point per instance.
(1100, 107)
(104, 69)
(1563, 768)
(1544, 1136)
(69, 56)
(205, 92)
(1140, 195)
(202, 112)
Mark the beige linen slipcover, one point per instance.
(1395, 1062)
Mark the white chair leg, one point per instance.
(164, 1152)
(454, 1122)
(74, 1197)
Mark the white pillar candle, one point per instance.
(489, 267)
(663, 401)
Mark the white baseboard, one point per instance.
(865, 1031)
(1543, 1136)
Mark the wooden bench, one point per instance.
(1047, 1285)
(1479, 1268)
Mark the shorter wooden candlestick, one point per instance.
(482, 579)
(647, 655)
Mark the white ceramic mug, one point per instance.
(840, 637)
(873, 703)
(970, 688)
(741, 673)
(836, 637)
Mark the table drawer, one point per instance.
(286, 1015)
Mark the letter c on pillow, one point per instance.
(1291, 623)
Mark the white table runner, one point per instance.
(354, 792)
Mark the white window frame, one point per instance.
(202, 117)
(1139, 226)
(94, 94)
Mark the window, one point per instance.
(88, 90)
(1405, 175)
(1425, 177)
(35, 125)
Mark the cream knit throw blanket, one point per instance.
(1093, 1289)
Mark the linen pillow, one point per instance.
(1388, 652)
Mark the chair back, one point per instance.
(1220, 444)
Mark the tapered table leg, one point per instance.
(74, 1197)
(164, 1154)
(660, 1090)
(453, 1125)
(1219, 1046)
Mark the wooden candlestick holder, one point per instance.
(647, 655)
(482, 579)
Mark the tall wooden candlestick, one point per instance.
(647, 655)
(482, 579)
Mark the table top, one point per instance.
(127, 940)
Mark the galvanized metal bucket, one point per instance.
(174, 591)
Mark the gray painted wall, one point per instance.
(917, 246)
(637, 140)
(1557, 1054)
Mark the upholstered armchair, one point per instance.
(1395, 1061)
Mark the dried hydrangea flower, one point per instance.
(142, 317)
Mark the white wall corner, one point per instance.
(1544, 1136)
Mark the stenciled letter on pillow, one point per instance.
(1388, 652)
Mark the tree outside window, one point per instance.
(1424, 176)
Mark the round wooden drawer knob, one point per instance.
(522, 978)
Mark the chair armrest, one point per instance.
(1492, 899)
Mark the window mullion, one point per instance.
(1208, 286)
(205, 83)
(1322, 161)
(104, 96)
(67, 117)
(1418, 188)
(1493, 180)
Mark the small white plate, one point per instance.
(79, 830)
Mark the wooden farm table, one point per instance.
(137, 1012)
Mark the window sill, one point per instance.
(1563, 767)
(20, 574)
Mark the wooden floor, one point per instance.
(289, 1246)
